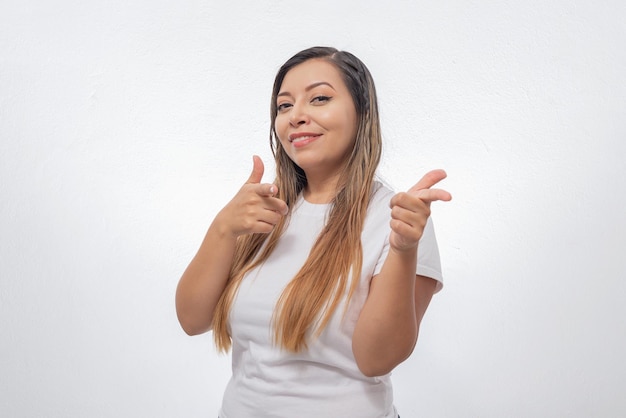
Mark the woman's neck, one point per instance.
(320, 191)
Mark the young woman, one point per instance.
(314, 281)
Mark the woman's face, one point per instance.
(316, 121)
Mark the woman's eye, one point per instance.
(283, 106)
(320, 99)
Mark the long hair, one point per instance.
(333, 266)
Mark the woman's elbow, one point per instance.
(191, 331)
(379, 367)
(371, 370)
(191, 326)
(373, 366)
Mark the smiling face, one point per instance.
(316, 120)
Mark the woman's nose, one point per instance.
(298, 116)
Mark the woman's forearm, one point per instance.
(387, 328)
(203, 282)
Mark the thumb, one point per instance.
(429, 180)
(257, 170)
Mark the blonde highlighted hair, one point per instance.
(313, 295)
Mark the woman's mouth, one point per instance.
(301, 139)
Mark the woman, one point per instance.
(314, 280)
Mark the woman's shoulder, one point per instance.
(381, 193)
(378, 207)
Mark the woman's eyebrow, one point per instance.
(309, 87)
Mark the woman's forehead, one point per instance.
(310, 73)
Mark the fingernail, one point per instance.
(272, 190)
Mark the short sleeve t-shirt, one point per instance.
(323, 380)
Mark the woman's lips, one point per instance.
(301, 139)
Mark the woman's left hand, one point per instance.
(410, 210)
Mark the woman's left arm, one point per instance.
(387, 328)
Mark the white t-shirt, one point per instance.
(323, 380)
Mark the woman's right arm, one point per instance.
(254, 209)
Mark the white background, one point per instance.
(126, 125)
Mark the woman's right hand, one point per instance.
(254, 209)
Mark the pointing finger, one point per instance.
(267, 190)
(432, 195)
(415, 200)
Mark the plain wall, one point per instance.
(125, 127)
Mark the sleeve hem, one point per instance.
(433, 274)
